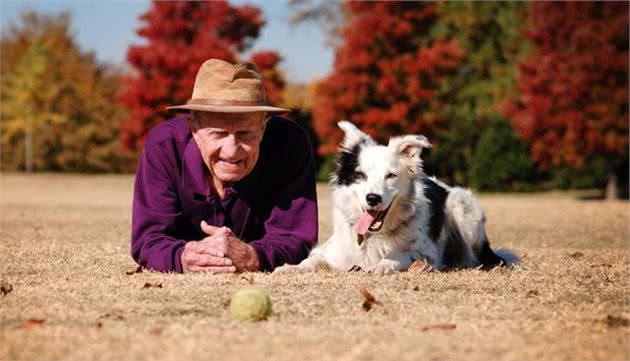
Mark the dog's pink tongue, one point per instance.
(365, 221)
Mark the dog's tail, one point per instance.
(490, 258)
(508, 257)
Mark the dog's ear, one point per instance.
(410, 146)
(353, 135)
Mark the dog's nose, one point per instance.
(373, 199)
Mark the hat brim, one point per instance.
(229, 108)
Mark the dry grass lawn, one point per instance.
(64, 252)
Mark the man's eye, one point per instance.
(360, 175)
(246, 136)
(216, 135)
(391, 176)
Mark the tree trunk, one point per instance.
(612, 188)
(28, 147)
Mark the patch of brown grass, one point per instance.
(64, 251)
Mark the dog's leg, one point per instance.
(313, 263)
(395, 262)
(464, 229)
(466, 219)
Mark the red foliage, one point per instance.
(180, 37)
(386, 73)
(572, 100)
(267, 63)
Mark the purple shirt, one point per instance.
(274, 208)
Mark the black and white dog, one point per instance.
(387, 213)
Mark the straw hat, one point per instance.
(228, 88)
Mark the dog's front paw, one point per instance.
(290, 268)
(386, 266)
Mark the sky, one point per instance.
(107, 27)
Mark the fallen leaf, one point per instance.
(368, 300)
(152, 285)
(617, 321)
(419, 266)
(155, 331)
(576, 255)
(532, 293)
(134, 270)
(443, 326)
(5, 288)
(32, 323)
(249, 280)
(112, 317)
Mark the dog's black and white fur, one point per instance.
(410, 216)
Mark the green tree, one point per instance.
(490, 33)
(501, 161)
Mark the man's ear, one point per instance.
(193, 123)
(352, 135)
(409, 146)
(265, 120)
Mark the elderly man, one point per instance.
(227, 188)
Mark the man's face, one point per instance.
(229, 142)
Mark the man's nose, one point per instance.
(373, 199)
(230, 146)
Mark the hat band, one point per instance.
(226, 102)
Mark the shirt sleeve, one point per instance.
(291, 229)
(155, 213)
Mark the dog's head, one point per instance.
(376, 174)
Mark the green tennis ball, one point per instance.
(250, 304)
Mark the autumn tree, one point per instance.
(180, 36)
(572, 98)
(58, 105)
(386, 73)
(24, 95)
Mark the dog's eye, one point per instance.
(360, 175)
(391, 176)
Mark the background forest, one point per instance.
(514, 96)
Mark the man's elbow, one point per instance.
(158, 256)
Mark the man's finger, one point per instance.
(207, 260)
(212, 269)
(208, 229)
(205, 248)
(202, 247)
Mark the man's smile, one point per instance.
(230, 164)
(230, 161)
